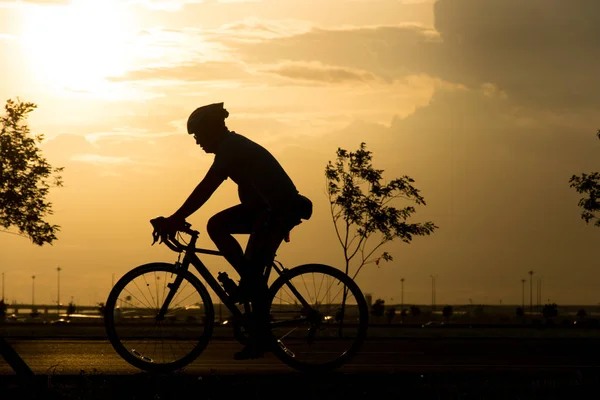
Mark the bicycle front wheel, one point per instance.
(319, 317)
(148, 341)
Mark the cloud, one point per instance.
(99, 159)
(386, 51)
(317, 72)
(253, 29)
(35, 2)
(48, 2)
(189, 72)
(154, 46)
(540, 53)
(165, 5)
(394, 50)
(120, 147)
(400, 1)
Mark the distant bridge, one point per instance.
(45, 308)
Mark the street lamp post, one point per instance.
(402, 295)
(523, 295)
(539, 293)
(531, 293)
(58, 269)
(32, 293)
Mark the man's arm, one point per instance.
(201, 194)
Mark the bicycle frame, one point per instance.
(190, 257)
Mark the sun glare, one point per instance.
(75, 47)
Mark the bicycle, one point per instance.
(159, 317)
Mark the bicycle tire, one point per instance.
(284, 352)
(140, 321)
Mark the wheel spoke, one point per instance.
(140, 337)
(314, 336)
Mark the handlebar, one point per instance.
(168, 238)
(174, 245)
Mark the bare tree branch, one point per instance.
(360, 196)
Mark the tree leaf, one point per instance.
(25, 177)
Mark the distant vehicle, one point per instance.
(60, 321)
(432, 324)
(15, 318)
(76, 316)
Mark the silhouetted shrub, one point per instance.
(378, 308)
(447, 311)
(520, 312)
(71, 308)
(2, 311)
(390, 313)
(550, 311)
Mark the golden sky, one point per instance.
(490, 106)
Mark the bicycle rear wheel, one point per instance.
(147, 342)
(319, 317)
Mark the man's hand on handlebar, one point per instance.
(167, 228)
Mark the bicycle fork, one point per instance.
(180, 270)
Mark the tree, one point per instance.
(520, 312)
(478, 311)
(377, 308)
(415, 311)
(588, 184)
(390, 313)
(359, 201)
(71, 308)
(447, 312)
(550, 310)
(581, 313)
(25, 177)
(2, 311)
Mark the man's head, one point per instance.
(207, 124)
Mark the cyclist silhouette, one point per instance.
(270, 206)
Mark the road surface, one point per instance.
(68, 356)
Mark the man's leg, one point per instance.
(235, 220)
(240, 219)
(262, 245)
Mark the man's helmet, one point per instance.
(206, 115)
